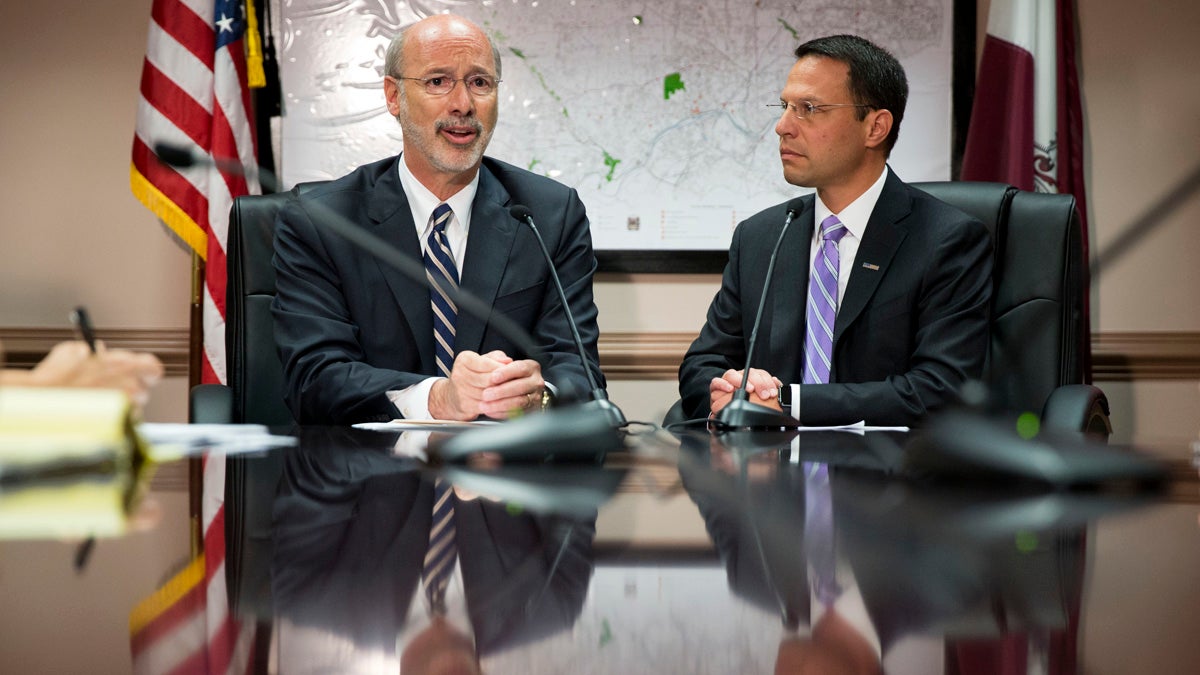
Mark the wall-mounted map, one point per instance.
(655, 111)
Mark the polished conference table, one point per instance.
(707, 553)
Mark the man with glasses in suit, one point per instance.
(360, 341)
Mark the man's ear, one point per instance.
(880, 126)
(392, 93)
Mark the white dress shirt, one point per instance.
(854, 217)
(413, 402)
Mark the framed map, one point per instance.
(654, 111)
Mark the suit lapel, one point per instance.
(880, 242)
(391, 219)
(489, 244)
(790, 292)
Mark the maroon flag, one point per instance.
(1026, 121)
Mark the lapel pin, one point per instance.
(873, 268)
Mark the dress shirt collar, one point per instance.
(854, 216)
(423, 202)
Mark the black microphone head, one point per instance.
(520, 212)
(174, 155)
(795, 206)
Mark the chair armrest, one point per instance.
(210, 404)
(674, 414)
(1078, 408)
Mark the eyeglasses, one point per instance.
(805, 109)
(440, 85)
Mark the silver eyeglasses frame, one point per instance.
(806, 109)
(479, 84)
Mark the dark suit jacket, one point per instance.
(349, 328)
(757, 528)
(907, 336)
(351, 528)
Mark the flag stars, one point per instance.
(225, 23)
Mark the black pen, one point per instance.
(83, 326)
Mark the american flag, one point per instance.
(194, 95)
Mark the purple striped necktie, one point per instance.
(819, 539)
(822, 304)
(818, 357)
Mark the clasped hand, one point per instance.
(762, 387)
(492, 385)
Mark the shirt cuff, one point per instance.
(413, 402)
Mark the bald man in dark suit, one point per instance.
(356, 337)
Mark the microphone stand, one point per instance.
(740, 413)
(532, 438)
(600, 399)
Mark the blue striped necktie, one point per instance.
(822, 304)
(443, 549)
(442, 273)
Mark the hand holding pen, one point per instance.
(87, 363)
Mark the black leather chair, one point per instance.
(1039, 335)
(1039, 332)
(254, 395)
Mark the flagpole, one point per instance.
(195, 357)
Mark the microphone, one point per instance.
(182, 157)
(599, 396)
(740, 413)
(530, 438)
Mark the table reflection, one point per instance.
(901, 574)
(995, 572)
(351, 528)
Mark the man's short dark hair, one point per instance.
(876, 78)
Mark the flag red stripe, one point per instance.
(221, 643)
(173, 616)
(224, 146)
(170, 183)
(1000, 139)
(214, 273)
(176, 104)
(207, 374)
(214, 541)
(195, 33)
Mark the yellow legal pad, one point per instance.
(67, 460)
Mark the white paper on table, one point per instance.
(858, 427)
(170, 441)
(422, 425)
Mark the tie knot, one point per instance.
(832, 229)
(441, 217)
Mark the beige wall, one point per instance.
(1141, 94)
(70, 231)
